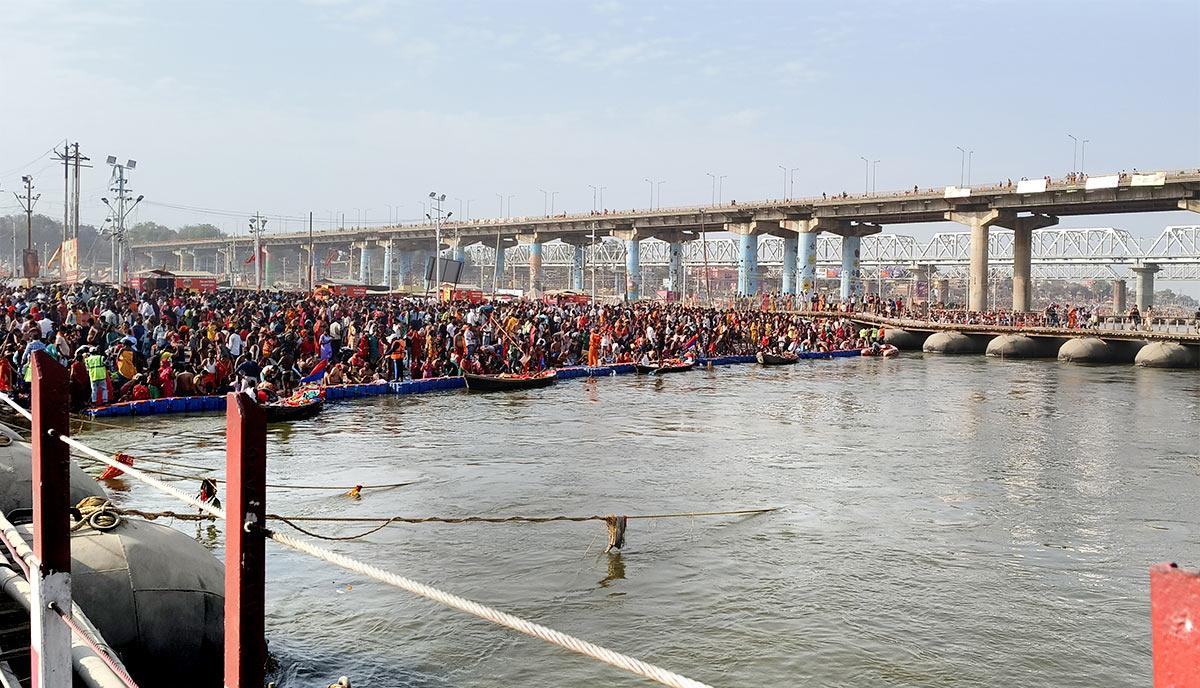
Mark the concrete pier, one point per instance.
(851, 267)
(791, 242)
(807, 257)
(747, 263)
(501, 280)
(674, 267)
(535, 269)
(977, 283)
(1144, 287)
(1118, 296)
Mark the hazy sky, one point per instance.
(351, 105)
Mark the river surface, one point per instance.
(945, 521)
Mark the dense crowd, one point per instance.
(125, 345)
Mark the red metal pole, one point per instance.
(50, 638)
(1175, 626)
(245, 558)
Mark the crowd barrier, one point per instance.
(214, 404)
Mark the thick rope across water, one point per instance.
(568, 642)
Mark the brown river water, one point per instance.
(944, 521)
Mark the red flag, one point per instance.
(112, 471)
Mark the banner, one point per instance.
(1031, 186)
(955, 192)
(69, 260)
(1155, 179)
(1109, 182)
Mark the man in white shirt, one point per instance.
(234, 344)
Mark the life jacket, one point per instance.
(95, 367)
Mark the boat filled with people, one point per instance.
(770, 358)
(507, 382)
(306, 403)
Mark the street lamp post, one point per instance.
(866, 175)
(435, 206)
(962, 164)
(721, 188)
(874, 174)
(1083, 156)
(792, 182)
(658, 185)
(647, 180)
(258, 224)
(714, 187)
(1074, 151)
(783, 168)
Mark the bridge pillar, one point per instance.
(977, 284)
(387, 265)
(633, 265)
(268, 268)
(1022, 228)
(578, 245)
(943, 291)
(791, 243)
(851, 268)
(535, 262)
(1144, 289)
(366, 252)
(1118, 303)
(498, 275)
(747, 233)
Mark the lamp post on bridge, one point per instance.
(866, 174)
(962, 164)
(874, 174)
(783, 168)
(792, 182)
(1074, 152)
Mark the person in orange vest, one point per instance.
(594, 349)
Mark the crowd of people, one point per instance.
(126, 345)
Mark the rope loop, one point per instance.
(96, 513)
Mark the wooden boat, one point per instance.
(506, 382)
(283, 412)
(664, 367)
(836, 353)
(886, 351)
(769, 359)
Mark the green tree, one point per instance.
(201, 231)
(146, 232)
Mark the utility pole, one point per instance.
(75, 214)
(121, 212)
(27, 204)
(311, 254)
(258, 223)
(71, 160)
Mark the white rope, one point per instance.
(106, 459)
(569, 642)
(616, 659)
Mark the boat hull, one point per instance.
(769, 359)
(494, 383)
(280, 413)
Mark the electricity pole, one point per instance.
(27, 204)
(121, 212)
(71, 160)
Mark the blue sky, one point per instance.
(352, 105)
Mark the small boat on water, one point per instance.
(664, 367)
(885, 351)
(836, 353)
(771, 359)
(304, 404)
(505, 382)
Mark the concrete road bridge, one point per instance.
(799, 235)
